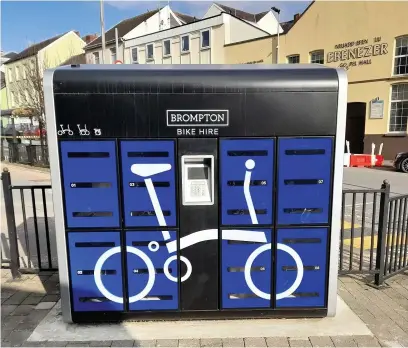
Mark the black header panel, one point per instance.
(194, 101)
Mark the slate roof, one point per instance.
(251, 17)
(123, 27)
(34, 49)
(185, 18)
(9, 55)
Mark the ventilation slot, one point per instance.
(306, 268)
(245, 211)
(242, 269)
(148, 154)
(94, 244)
(146, 271)
(146, 243)
(250, 153)
(94, 299)
(306, 294)
(241, 296)
(88, 154)
(148, 213)
(252, 183)
(157, 298)
(243, 242)
(301, 240)
(305, 152)
(90, 214)
(91, 272)
(304, 182)
(90, 184)
(302, 210)
(155, 184)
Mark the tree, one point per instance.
(30, 90)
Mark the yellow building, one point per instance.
(370, 40)
(24, 71)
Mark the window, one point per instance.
(96, 58)
(317, 57)
(149, 52)
(113, 55)
(401, 56)
(166, 48)
(133, 55)
(25, 68)
(185, 43)
(205, 39)
(26, 96)
(10, 73)
(293, 59)
(14, 98)
(399, 108)
(17, 73)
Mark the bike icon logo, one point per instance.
(83, 131)
(62, 131)
(97, 131)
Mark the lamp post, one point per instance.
(102, 30)
(275, 9)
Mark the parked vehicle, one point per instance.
(401, 162)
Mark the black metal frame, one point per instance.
(387, 256)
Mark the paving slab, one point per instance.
(346, 323)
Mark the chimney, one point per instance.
(90, 37)
(296, 17)
(77, 32)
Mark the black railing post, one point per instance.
(382, 232)
(11, 223)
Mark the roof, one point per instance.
(34, 49)
(78, 59)
(251, 17)
(123, 27)
(185, 18)
(287, 25)
(9, 55)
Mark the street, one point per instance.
(354, 179)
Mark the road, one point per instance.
(354, 178)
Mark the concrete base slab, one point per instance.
(52, 328)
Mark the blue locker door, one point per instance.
(90, 183)
(252, 159)
(237, 292)
(310, 244)
(304, 180)
(85, 250)
(152, 282)
(143, 162)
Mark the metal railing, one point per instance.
(373, 236)
(30, 243)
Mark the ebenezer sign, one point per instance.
(356, 53)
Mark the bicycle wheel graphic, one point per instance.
(260, 250)
(105, 292)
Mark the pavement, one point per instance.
(28, 303)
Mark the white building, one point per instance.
(144, 24)
(198, 41)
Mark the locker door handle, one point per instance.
(304, 152)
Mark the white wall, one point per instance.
(153, 24)
(241, 31)
(269, 23)
(119, 55)
(212, 11)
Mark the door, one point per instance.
(355, 126)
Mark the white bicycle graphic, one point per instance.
(147, 171)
